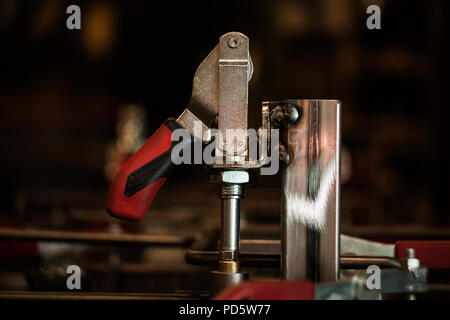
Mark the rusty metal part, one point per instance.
(220, 93)
(218, 81)
(204, 98)
(234, 66)
(189, 121)
(204, 102)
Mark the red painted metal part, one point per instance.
(269, 290)
(134, 207)
(432, 254)
(18, 251)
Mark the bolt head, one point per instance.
(232, 177)
(283, 115)
(413, 263)
(233, 43)
(410, 253)
(235, 177)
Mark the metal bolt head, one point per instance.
(291, 114)
(233, 43)
(235, 177)
(279, 116)
(411, 262)
(410, 253)
(283, 115)
(232, 177)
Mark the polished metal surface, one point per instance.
(222, 280)
(229, 272)
(230, 229)
(311, 183)
(230, 226)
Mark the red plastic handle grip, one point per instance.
(140, 178)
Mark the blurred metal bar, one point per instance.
(272, 260)
(363, 247)
(247, 259)
(362, 262)
(99, 238)
(28, 295)
(310, 210)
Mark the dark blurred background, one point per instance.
(66, 97)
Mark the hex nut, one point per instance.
(230, 176)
